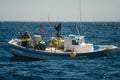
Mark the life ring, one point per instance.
(72, 54)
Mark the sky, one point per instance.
(59, 10)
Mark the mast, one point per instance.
(79, 22)
(80, 17)
(80, 5)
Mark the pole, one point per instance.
(80, 9)
(50, 33)
(80, 17)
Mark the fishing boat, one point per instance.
(71, 47)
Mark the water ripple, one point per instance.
(19, 68)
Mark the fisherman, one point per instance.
(24, 38)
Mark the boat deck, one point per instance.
(53, 50)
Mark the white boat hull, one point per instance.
(40, 54)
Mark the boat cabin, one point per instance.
(77, 43)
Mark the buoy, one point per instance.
(72, 54)
(18, 33)
(42, 45)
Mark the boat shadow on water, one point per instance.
(16, 58)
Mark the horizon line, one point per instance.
(56, 21)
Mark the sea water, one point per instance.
(97, 68)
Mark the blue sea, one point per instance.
(97, 68)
